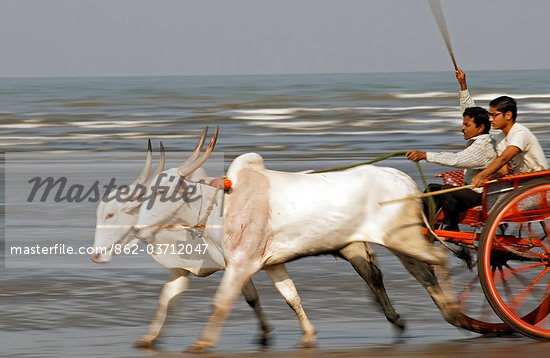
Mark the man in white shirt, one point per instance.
(516, 144)
(477, 155)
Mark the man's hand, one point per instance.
(496, 165)
(461, 77)
(415, 155)
(478, 181)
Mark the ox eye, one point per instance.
(109, 216)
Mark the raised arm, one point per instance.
(466, 100)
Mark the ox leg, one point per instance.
(419, 256)
(286, 287)
(443, 295)
(362, 258)
(251, 296)
(177, 283)
(234, 278)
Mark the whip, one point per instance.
(437, 11)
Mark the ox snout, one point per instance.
(100, 259)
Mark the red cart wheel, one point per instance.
(513, 259)
(475, 308)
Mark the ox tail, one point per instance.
(461, 254)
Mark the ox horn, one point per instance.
(198, 149)
(160, 166)
(147, 168)
(194, 162)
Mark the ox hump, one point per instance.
(252, 161)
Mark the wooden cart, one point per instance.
(509, 288)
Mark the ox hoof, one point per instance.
(199, 347)
(399, 325)
(265, 338)
(144, 342)
(308, 342)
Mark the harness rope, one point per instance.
(377, 159)
(202, 222)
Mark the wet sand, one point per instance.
(469, 348)
(102, 312)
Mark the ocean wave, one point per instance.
(535, 106)
(491, 96)
(265, 117)
(536, 125)
(369, 122)
(119, 124)
(27, 125)
(116, 115)
(269, 114)
(294, 110)
(410, 108)
(22, 143)
(271, 111)
(424, 95)
(382, 132)
(297, 125)
(15, 138)
(85, 104)
(100, 114)
(522, 113)
(433, 121)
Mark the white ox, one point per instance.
(115, 221)
(114, 231)
(273, 217)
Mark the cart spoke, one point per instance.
(486, 311)
(469, 288)
(517, 302)
(507, 289)
(542, 315)
(510, 272)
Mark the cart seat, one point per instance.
(472, 217)
(453, 177)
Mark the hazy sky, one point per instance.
(184, 37)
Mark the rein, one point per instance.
(213, 201)
(377, 159)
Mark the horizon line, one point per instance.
(258, 74)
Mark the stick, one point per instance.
(435, 5)
(424, 195)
